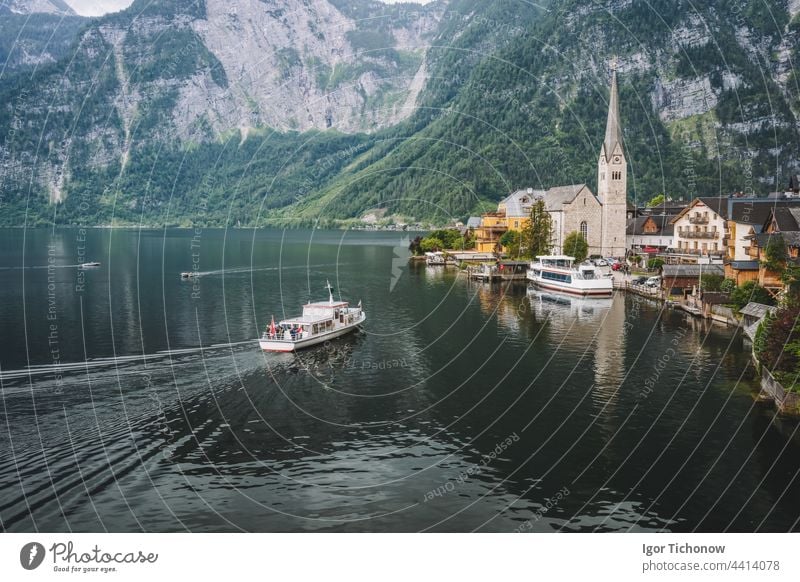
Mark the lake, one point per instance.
(133, 400)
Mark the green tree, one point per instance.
(712, 282)
(431, 244)
(750, 291)
(775, 254)
(537, 235)
(655, 263)
(656, 201)
(791, 280)
(576, 246)
(727, 285)
(510, 241)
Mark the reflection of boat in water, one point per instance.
(557, 273)
(320, 322)
(581, 307)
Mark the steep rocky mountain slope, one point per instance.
(293, 111)
(57, 7)
(709, 104)
(33, 33)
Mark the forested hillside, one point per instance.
(431, 112)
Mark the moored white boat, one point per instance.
(320, 322)
(558, 273)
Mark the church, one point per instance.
(600, 218)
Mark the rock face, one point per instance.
(187, 72)
(37, 6)
(298, 65)
(35, 33)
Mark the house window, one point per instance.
(602, 175)
(585, 230)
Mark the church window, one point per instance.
(585, 230)
(602, 175)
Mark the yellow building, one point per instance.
(513, 213)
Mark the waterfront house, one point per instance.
(753, 313)
(699, 228)
(650, 233)
(683, 279)
(749, 218)
(782, 226)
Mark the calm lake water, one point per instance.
(133, 400)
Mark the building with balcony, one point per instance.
(700, 227)
(749, 218)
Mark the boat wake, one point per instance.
(240, 270)
(161, 358)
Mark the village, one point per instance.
(734, 260)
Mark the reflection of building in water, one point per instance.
(609, 357)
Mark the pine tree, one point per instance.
(538, 234)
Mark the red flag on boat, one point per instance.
(272, 326)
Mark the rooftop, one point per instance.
(756, 309)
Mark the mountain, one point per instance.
(709, 98)
(35, 32)
(57, 7)
(298, 111)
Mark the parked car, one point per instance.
(653, 282)
(640, 280)
(616, 266)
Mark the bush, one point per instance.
(727, 286)
(777, 345)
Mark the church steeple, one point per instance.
(612, 177)
(613, 127)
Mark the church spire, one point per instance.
(613, 127)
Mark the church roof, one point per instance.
(613, 126)
(519, 203)
(556, 197)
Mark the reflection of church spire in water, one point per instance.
(609, 357)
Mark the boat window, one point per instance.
(315, 329)
(560, 277)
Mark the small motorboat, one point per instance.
(321, 321)
(90, 265)
(188, 275)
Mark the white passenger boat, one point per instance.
(557, 273)
(321, 321)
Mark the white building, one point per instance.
(700, 228)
